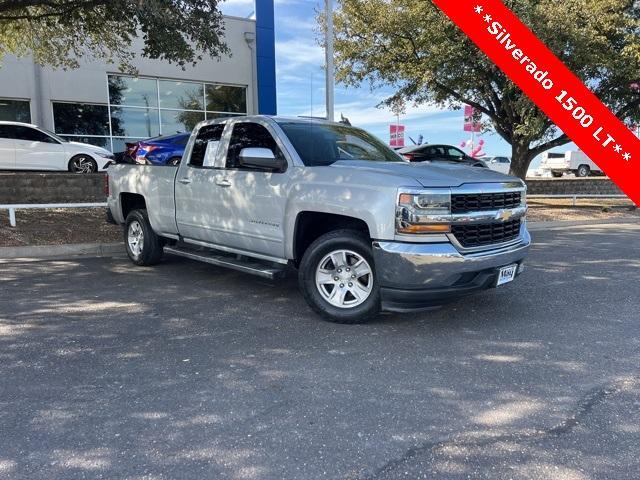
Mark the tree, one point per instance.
(413, 46)
(59, 32)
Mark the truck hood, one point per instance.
(430, 174)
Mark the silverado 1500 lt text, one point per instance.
(365, 230)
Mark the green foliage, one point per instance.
(59, 32)
(414, 47)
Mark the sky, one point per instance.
(301, 84)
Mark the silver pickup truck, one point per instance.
(365, 230)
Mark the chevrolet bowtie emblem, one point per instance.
(504, 215)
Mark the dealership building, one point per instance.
(98, 104)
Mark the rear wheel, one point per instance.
(82, 164)
(583, 171)
(144, 247)
(337, 277)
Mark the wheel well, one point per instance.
(311, 225)
(131, 201)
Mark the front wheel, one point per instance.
(144, 247)
(82, 164)
(337, 277)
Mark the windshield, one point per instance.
(51, 134)
(321, 144)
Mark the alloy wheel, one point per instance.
(344, 278)
(135, 237)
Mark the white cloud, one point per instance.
(295, 54)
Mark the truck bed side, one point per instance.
(154, 185)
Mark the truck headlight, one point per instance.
(426, 211)
(523, 195)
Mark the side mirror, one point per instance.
(262, 158)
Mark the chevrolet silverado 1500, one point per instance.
(365, 230)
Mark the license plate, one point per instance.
(507, 274)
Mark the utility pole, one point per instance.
(329, 60)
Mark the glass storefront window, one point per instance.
(181, 95)
(15, 110)
(81, 119)
(214, 115)
(142, 108)
(97, 141)
(224, 98)
(177, 121)
(134, 92)
(134, 122)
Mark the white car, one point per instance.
(498, 164)
(28, 147)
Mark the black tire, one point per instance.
(82, 164)
(351, 240)
(151, 250)
(556, 174)
(583, 171)
(173, 161)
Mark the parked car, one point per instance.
(28, 147)
(438, 153)
(498, 164)
(165, 150)
(366, 230)
(575, 162)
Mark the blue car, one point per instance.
(165, 150)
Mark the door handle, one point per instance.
(223, 182)
(185, 180)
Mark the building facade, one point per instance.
(98, 104)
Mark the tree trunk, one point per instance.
(521, 158)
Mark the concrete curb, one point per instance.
(538, 226)
(69, 250)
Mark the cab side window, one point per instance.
(6, 131)
(206, 145)
(32, 135)
(249, 135)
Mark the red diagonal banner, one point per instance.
(552, 86)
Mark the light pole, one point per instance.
(329, 60)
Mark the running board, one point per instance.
(253, 267)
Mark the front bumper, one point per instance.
(419, 276)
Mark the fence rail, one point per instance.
(576, 196)
(42, 206)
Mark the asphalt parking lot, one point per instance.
(188, 371)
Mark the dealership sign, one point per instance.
(552, 86)
(396, 133)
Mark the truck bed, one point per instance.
(155, 184)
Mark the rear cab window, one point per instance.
(206, 146)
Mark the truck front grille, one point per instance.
(482, 202)
(473, 235)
